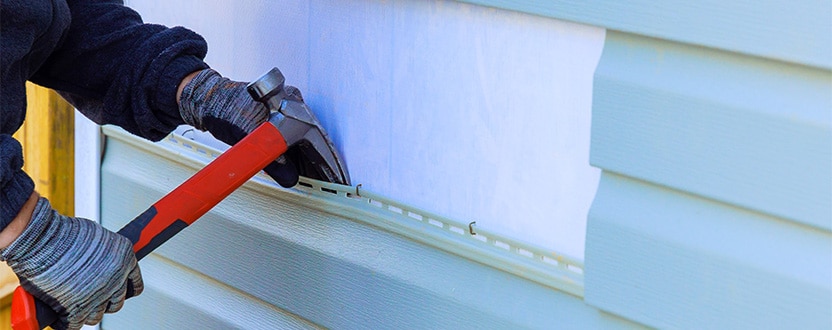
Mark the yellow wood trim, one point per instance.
(8, 282)
(5, 318)
(48, 143)
(48, 146)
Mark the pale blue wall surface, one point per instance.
(670, 259)
(742, 130)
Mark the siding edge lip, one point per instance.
(548, 268)
(781, 32)
(749, 132)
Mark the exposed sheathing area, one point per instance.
(471, 112)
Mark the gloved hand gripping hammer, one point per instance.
(291, 125)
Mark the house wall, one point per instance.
(471, 112)
(710, 123)
(456, 112)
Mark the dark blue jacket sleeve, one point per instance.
(117, 70)
(15, 185)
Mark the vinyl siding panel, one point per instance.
(669, 259)
(714, 208)
(178, 298)
(746, 131)
(305, 260)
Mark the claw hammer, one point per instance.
(293, 124)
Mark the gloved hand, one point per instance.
(225, 109)
(74, 265)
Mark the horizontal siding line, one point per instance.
(162, 260)
(179, 297)
(648, 245)
(714, 201)
(779, 30)
(536, 264)
(749, 132)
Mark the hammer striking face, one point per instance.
(309, 146)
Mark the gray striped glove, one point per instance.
(211, 102)
(74, 265)
(210, 97)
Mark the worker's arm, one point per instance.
(253, 118)
(82, 270)
(117, 70)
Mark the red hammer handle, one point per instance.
(176, 210)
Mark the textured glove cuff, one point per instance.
(78, 268)
(27, 247)
(189, 103)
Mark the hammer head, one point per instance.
(309, 146)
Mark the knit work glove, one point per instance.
(213, 103)
(74, 265)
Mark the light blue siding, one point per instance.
(746, 131)
(304, 259)
(714, 209)
(178, 298)
(672, 260)
(797, 32)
